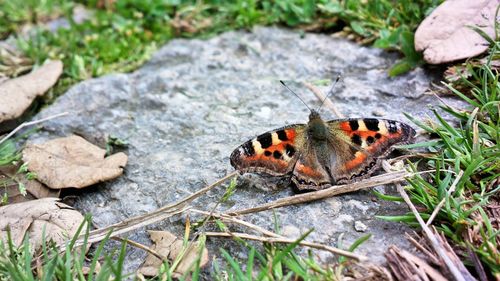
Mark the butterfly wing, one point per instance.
(358, 145)
(274, 152)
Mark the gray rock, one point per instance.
(196, 100)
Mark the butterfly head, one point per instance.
(314, 115)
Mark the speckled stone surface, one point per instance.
(195, 101)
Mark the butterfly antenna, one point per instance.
(329, 93)
(283, 83)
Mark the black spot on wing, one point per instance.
(265, 140)
(282, 135)
(277, 154)
(371, 124)
(290, 150)
(393, 128)
(378, 136)
(354, 125)
(248, 148)
(267, 153)
(370, 140)
(356, 139)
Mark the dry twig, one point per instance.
(140, 246)
(326, 193)
(422, 249)
(31, 123)
(440, 205)
(322, 97)
(273, 235)
(407, 266)
(150, 218)
(288, 241)
(227, 218)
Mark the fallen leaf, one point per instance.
(55, 220)
(39, 190)
(169, 246)
(445, 35)
(33, 188)
(72, 162)
(189, 257)
(17, 94)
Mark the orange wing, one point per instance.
(369, 140)
(274, 152)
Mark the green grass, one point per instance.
(469, 143)
(10, 156)
(280, 261)
(122, 36)
(273, 262)
(18, 264)
(16, 14)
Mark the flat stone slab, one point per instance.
(195, 101)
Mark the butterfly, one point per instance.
(322, 153)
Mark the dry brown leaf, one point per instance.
(40, 190)
(57, 220)
(34, 189)
(17, 94)
(445, 34)
(169, 246)
(72, 162)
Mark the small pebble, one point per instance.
(360, 227)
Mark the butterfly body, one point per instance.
(322, 153)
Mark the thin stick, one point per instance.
(422, 249)
(322, 97)
(142, 247)
(26, 124)
(423, 269)
(227, 218)
(288, 241)
(325, 193)
(450, 191)
(430, 236)
(150, 218)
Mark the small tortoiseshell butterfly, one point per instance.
(320, 154)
